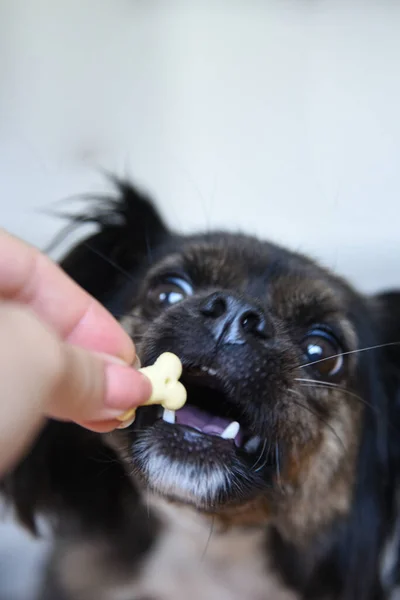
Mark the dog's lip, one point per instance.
(196, 418)
(229, 432)
(205, 423)
(208, 376)
(197, 370)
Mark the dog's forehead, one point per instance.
(223, 258)
(284, 279)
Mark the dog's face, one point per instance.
(272, 422)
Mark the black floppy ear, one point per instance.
(73, 478)
(130, 227)
(387, 313)
(358, 554)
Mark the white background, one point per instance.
(276, 117)
(280, 118)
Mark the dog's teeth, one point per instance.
(168, 416)
(231, 431)
(207, 370)
(253, 444)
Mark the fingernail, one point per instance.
(126, 424)
(107, 358)
(115, 360)
(125, 387)
(128, 415)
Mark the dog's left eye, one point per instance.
(323, 352)
(169, 291)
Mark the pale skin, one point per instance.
(62, 355)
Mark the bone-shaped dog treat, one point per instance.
(167, 390)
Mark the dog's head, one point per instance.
(267, 340)
(282, 390)
(290, 374)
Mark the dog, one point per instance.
(278, 480)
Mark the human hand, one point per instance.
(62, 355)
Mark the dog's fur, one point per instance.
(163, 512)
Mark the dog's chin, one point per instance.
(187, 465)
(206, 454)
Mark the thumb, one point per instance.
(93, 388)
(40, 375)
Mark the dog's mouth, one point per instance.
(209, 452)
(210, 410)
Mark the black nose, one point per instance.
(234, 320)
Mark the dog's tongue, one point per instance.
(204, 422)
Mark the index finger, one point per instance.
(30, 277)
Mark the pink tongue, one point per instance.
(201, 420)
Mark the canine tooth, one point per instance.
(252, 444)
(168, 416)
(231, 431)
(204, 369)
(212, 372)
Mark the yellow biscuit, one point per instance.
(167, 390)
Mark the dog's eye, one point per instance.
(169, 291)
(323, 352)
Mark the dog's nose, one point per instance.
(232, 319)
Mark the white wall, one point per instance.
(274, 116)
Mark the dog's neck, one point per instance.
(219, 561)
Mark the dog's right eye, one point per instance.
(169, 291)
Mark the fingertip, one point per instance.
(125, 387)
(100, 426)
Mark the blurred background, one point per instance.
(276, 117)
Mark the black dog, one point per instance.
(277, 480)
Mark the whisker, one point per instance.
(208, 539)
(108, 260)
(278, 466)
(148, 505)
(315, 383)
(148, 248)
(313, 412)
(315, 362)
(260, 468)
(261, 454)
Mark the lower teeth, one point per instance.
(168, 416)
(231, 431)
(252, 444)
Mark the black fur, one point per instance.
(63, 472)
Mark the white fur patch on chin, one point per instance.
(199, 485)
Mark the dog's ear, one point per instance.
(375, 504)
(386, 308)
(359, 549)
(387, 313)
(130, 228)
(71, 476)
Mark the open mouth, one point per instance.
(210, 410)
(209, 452)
